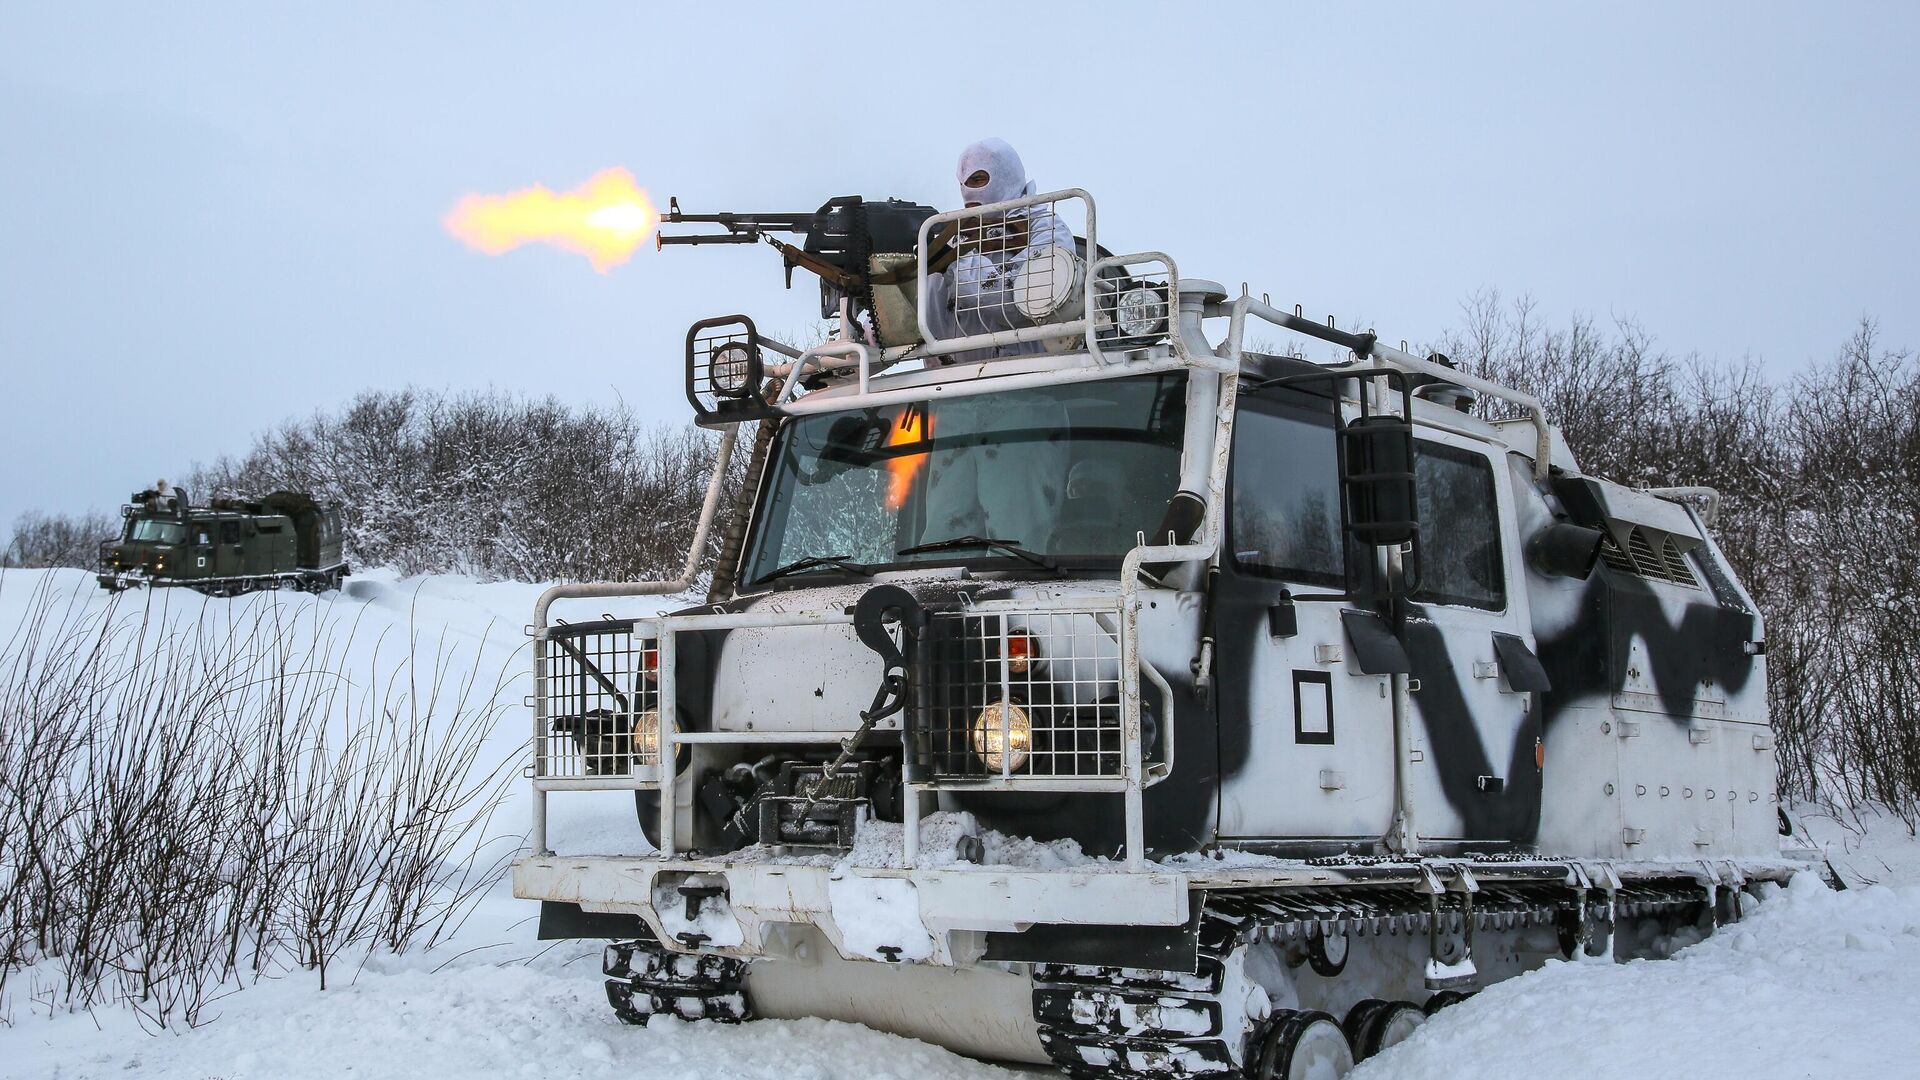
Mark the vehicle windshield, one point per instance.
(156, 531)
(1071, 473)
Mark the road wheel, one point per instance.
(1327, 953)
(1357, 1020)
(1303, 1046)
(1374, 1025)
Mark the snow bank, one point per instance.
(1812, 983)
(1867, 846)
(453, 624)
(368, 631)
(487, 1015)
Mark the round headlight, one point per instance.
(1141, 312)
(1045, 282)
(729, 367)
(1002, 735)
(646, 737)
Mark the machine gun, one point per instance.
(851, 244)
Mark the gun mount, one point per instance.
(847, 242)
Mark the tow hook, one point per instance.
(697, 895)
(869, 615)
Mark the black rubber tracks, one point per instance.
(1125, 1022)
(1133, 1023)
(645, 980)
(1139, 1023)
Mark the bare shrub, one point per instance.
(1855, 525)
(53, 540)
(187, 806)
(491, 485)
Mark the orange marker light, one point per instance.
(1021, 651)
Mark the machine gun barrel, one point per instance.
(835, 243)
(750, 229)
(741, 228)
(661, 240)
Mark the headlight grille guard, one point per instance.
(1059, 667)
(605, 713)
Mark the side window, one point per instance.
(229, 532)
(1284, 513)
(1459, 529)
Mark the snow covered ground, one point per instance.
(1813, 983)
(505, 1009)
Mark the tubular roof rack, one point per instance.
(1080, 309)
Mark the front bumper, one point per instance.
(132, 577)
(889, 915)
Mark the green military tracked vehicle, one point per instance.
(286, 540)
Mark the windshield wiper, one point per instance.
(1010, 547)
(838, 562)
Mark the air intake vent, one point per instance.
(1649, 555)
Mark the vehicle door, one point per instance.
(272, 546)
(202, 553)
(1306, 739)
(1476, 730)
(230, 557)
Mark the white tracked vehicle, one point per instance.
(1080, 687)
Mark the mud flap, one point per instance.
(1149, 948)
(560, 920)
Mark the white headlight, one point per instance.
(1046, 282)
(1002, 733)
(729, 366)
(1141, 312)
(646, 737)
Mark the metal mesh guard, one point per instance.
(600, 696)
(724, 365)
(1065, 692)
(1014, 267)
(1135, 300)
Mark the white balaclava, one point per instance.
(1006, 176)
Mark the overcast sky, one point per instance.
(216, 217)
